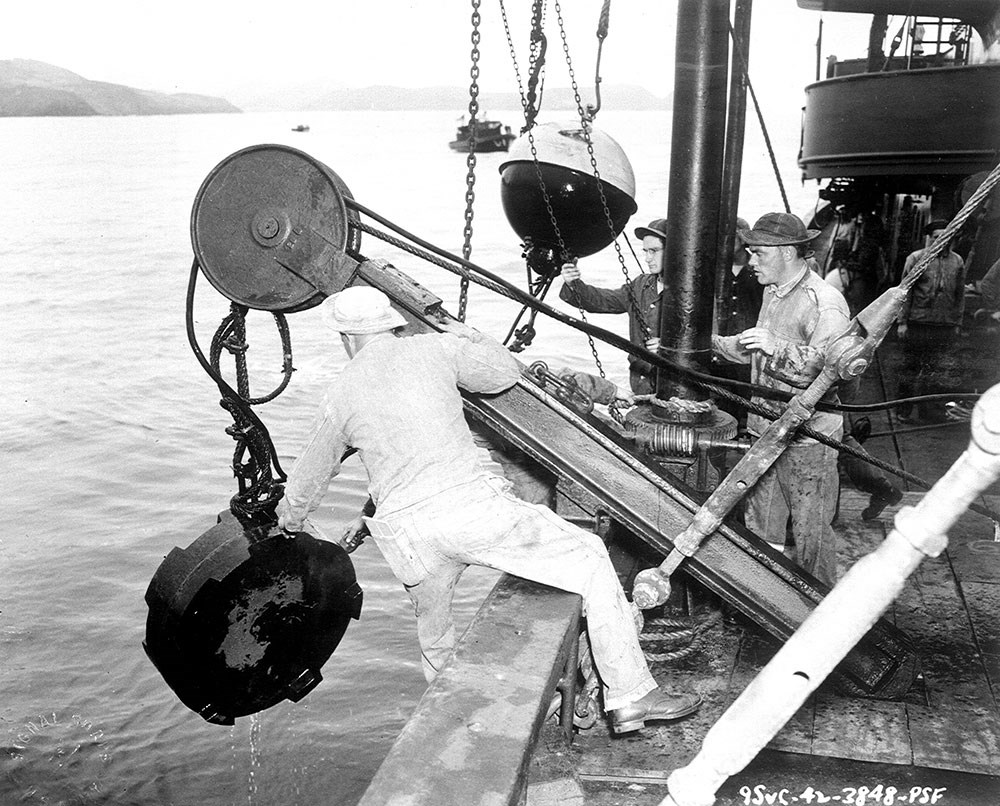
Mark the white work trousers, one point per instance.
(429, 545)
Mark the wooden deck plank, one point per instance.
(857, 538)
(976, 561)
(958, 728)
(983, 601)
(955, 739)
(863, 730)
(796, 735)
(931, 608)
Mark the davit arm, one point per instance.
(849, 356)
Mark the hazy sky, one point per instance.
(217, 47)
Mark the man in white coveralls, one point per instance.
(398, 403)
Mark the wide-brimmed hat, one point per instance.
(360, 310)
(657, 228)
(778, 229)
(935, 225)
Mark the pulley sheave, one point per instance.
(239, 622)
(563, 178)
(270, 228)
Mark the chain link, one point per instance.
(470, 159)
(536, 63)
(585, 125)
(530, 112)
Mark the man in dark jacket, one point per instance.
(639, 298)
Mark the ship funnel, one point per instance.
(553, 198)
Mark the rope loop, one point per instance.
(260, 489)
(231, 336)
(667, 632)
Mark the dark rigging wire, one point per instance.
(499, 285)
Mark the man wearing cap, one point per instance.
(800, 316)
(639, 298)
(438, 511)
(928, 325)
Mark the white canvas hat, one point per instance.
(360, 310)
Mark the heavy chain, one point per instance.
(584, 122)
(470, 159)
(536, 63)
(527, 105)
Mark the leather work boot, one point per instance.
(657, 706)
(879, 502)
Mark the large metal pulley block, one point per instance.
(271, 230)
(239, 622)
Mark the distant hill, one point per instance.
(35, 89)
(457, 98)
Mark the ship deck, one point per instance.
(945, 734)
(940, 743)
(479, 734)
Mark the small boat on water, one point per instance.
(485, 136)
(302, 127)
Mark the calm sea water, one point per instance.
(114, 447)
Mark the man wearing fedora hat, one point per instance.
(928, 325)
(639, 298)
(438, 510)
(800, 316)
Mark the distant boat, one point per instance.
(490, 135)
(301, 128)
